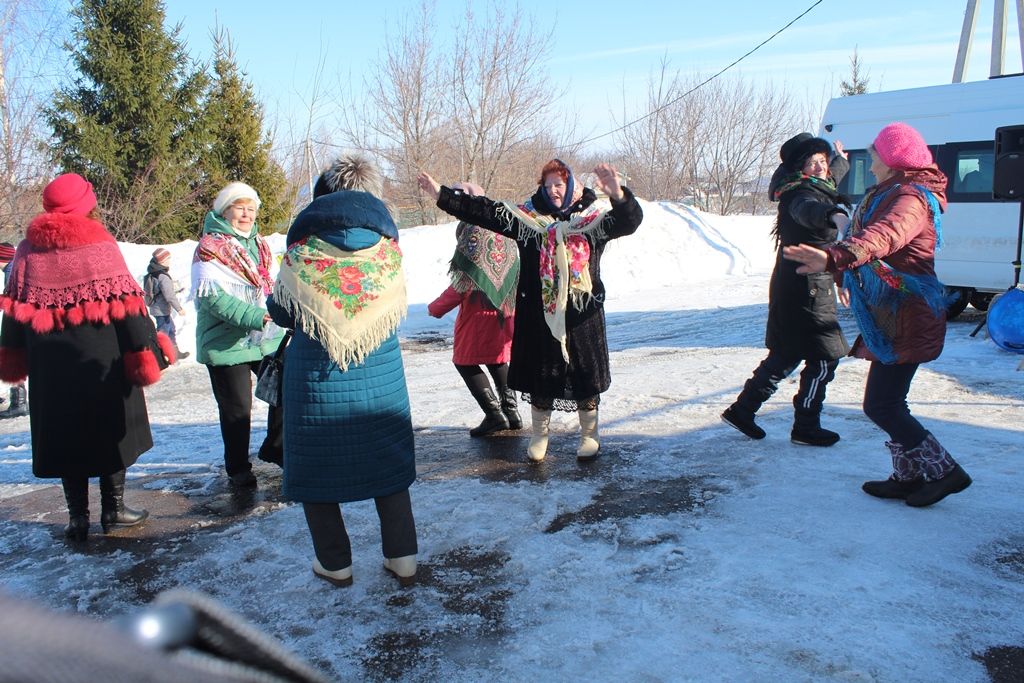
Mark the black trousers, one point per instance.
(232, 388)
(885, 403)
(474, 376)
(814, 379)
(330, 539)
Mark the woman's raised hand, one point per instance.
(428, 185)
(608, 181)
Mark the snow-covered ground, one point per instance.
(685, 552)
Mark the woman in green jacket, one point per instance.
(230, 283)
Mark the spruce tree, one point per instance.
(858, 83)
(131, 120)
(238, 148)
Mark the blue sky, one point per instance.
(604, 49)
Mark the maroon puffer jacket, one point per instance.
(900, 232)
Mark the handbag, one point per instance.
(271, 373)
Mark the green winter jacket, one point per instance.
(225, 323)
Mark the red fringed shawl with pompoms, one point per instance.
(69, 270)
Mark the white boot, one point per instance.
(403, 568)
(588, 435)
(539, 441)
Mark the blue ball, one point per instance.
(1006, 321)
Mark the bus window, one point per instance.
(969, 167)
(973, 171)
(859, 178)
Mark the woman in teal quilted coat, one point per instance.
(347, 424)
(230, 284)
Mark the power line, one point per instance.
(696, 87)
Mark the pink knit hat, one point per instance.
(69, 193)
(900, 147)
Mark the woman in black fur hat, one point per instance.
(802, 324)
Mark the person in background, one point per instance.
(75, 323)
(347, 423)
(887, 262)
(17, 406)
(560, 345)
(484, 273)
(802, 323)
(230, 283)
(161, 295)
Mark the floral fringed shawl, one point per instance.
(222, 263)
(486, 262)
(564, 257)
(349, 301)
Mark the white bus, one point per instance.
(958, 121)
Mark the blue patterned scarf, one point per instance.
(878, 291)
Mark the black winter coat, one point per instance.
(87, 418)
(802, 320)
(537, 366)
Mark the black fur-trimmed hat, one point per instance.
(795, 150)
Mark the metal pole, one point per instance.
(1020, 30)
(998, 38)
(963, 52)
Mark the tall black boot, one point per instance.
(807, 429)
(494, 418)
(510, 407)
(114, 513)
(478, 384)
(19, 403)
(76, 493)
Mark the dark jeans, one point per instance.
(165, 324)
(232, 388)
(330, 539)
(885, 403)
(814, 379)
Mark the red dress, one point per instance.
(482, 335)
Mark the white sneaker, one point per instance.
(402, 568)
(340, 577)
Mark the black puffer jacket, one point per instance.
(802, 308)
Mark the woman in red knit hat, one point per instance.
(75, 323)
(887, 261)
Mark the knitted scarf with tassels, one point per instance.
(68, 271)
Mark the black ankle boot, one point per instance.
(76, 493)
(743, 420)
(931, 492)
(892, 487)
(114, 513)
(813, 436)
(807, 430)
(510, 407)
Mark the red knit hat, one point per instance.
(161, 255)
(69, 193)
(900, 147)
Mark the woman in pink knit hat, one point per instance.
(887, 262)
